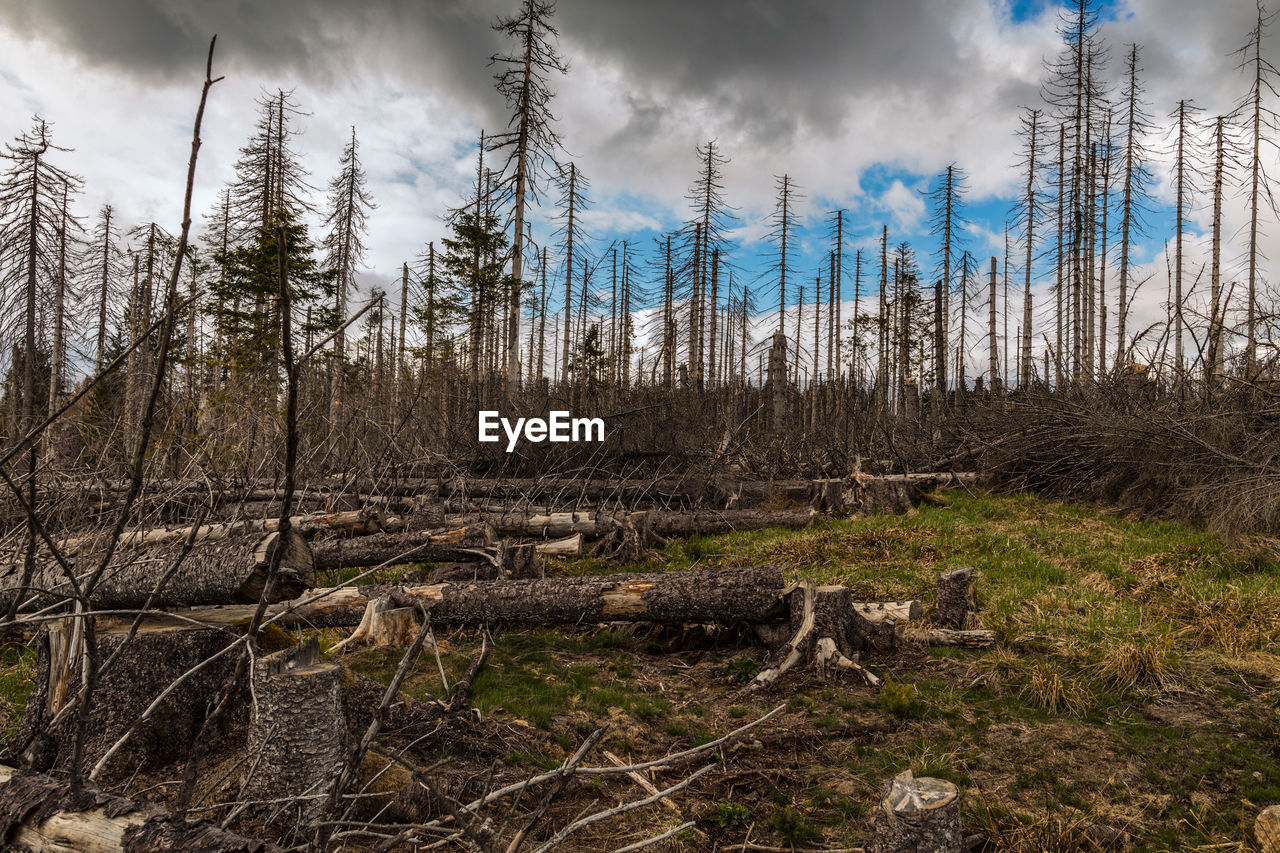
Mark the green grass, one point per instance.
(17, 668)
(1123, 643)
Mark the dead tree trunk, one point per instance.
(729, 596)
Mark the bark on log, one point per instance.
(147, 665)
(568, 491)
(297, 734)
(224, 571)
(727, 596)
(398, 549)
(955, 593)
(36, 816)
(917, 815)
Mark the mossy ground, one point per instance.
(1135, 685)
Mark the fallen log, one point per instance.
(223, 571)
(881, 611)
(570, 546)
(567, 490)
(979, 639)
(355, 523)
(661, 523)
(728, 596)
(398, 549)
(37, 816)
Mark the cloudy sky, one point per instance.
(860, 103)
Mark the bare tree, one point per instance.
(947, 223)
(347, 223)
(784, 227)
(1264, 124)
(523, 78)
(1135, 181)
(573, 187)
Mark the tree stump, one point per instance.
(918, 816)
(955, 594)
(827, 495)
(147, 665)
(1267, 829)
(298, 738)
(383, 625)
(881, 495)
(521, 562)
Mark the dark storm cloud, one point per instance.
(770, 63)
(442, 44)
(774, 67)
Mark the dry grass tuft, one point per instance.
(1141, 662)
(1050, 689)
(1234, 621)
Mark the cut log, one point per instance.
(668, 524)
(474, 571)
(726, 596)
(147, 665)
(297, 734)
(661, 523)
(947, 637)
(917, 815)
(356, 523)
(828, 630)
(568, 491)
(223, 571)
(955, 595)
(35, 816)
(827, 495)
(398, 549)
(837, 618)
(570, 546)
(383, 625)
(880, 611)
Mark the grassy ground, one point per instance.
(1135, 688)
